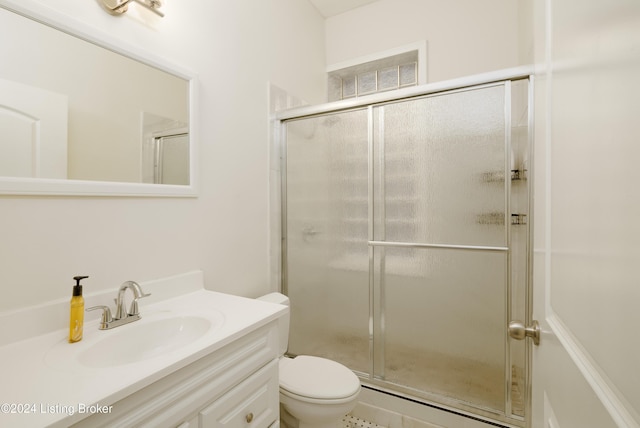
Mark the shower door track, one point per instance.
(370, 379)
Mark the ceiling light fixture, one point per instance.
(118, 7)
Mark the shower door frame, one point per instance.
(369, 102)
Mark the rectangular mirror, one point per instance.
(83, 115)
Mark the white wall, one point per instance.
(464, 37)
(236, 48)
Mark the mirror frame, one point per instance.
(51, 187)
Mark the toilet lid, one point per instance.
(316, 377)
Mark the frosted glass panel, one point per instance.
(408, 74)
(388, 78)
(327, 273)
(443, 315)
(367, 83)
(349, 87)
(441, 167)
(435, 182)
(519, 245)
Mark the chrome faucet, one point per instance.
(137, 294)
(122, 317)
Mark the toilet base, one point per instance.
(289, 421)
(286, 419)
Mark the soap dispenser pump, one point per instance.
(76, 319)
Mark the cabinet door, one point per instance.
(253, 403)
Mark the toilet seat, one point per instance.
(317, 379)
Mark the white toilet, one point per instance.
(314, 392)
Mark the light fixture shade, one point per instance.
(118, 7)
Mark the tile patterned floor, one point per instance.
(352, 422)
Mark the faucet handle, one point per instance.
(106, 315)
(134, 310)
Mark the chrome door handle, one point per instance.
(518, 331)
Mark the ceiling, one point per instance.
(328, 8)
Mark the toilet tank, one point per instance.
(283, 322)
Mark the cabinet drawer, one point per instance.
(254, 403)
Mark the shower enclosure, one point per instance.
(405, 240)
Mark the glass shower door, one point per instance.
(171, 163)
(327, 269)
(405, 244)
(440, 245)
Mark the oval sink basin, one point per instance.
(138, 342)
(153, 336)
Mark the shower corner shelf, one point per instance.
(498, 176)
(518, 174)
(494, 218)
(518, 219)
(497, 219)
(492, 177)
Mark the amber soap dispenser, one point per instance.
(76, 319)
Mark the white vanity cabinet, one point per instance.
(249, 404)
(235, 386)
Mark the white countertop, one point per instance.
(42, 385)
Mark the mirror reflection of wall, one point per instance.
(106, 92)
